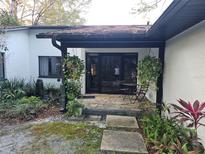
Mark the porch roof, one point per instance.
(102, 32)
(179, 16)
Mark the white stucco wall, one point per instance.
(184, 75)
(17, 56)
(40, 47)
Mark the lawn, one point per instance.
(51, 137)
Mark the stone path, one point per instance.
(121, 123)
(107, 101)
(124, 138)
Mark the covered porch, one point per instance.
(103, 39)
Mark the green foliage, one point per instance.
(164, 135)
(16, 100)
(7, 20)
(74, 108)
(58, 14)
(73, 89)
(29, 100)
(149, 69)
(48, 12)
(26, 108)
(156, 127)
(74, 67)
(15, 88)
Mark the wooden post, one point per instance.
(64, 96)
(160, 80)
(63, 49)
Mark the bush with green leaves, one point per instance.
(26, 108)
(16, 88)
(17, 100)
(148, 70)
(73, 89)
(164, 135)
(73, 69)
(75, 108)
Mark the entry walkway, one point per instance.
(121, 136)
(105, 104)
(108, 101)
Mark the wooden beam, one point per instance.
(160, 80)
(113, 44)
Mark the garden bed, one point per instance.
(46, 113)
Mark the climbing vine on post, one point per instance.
(73, 69)
(149, 69)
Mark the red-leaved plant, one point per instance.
(192, 113)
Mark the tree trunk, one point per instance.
(13, 8)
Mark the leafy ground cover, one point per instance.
(19, 102)
(172, 135)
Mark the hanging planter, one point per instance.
(149, 69)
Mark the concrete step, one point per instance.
(126, 123)
(122, 142)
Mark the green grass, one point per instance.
(89, 135)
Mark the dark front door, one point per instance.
(107, 71)
(92, 73)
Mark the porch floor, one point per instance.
(108, 102)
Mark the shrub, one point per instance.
(73, 89)
(27, 107)
(28, 100)
(12, 89)
(74, 108)
(164, 135)
(16, 88)
(75, 67)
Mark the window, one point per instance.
(1, 66)
(49, 66)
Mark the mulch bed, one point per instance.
(51, 111)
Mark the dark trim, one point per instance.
(55, 44)
(3, 63)
(49, 76)
(114, 44)
(64, 96)
(174, 7)
(159, 100)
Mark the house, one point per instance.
(177, 38)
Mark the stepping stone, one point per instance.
(123, 142)
(121, 123)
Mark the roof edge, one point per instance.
(174, 7)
